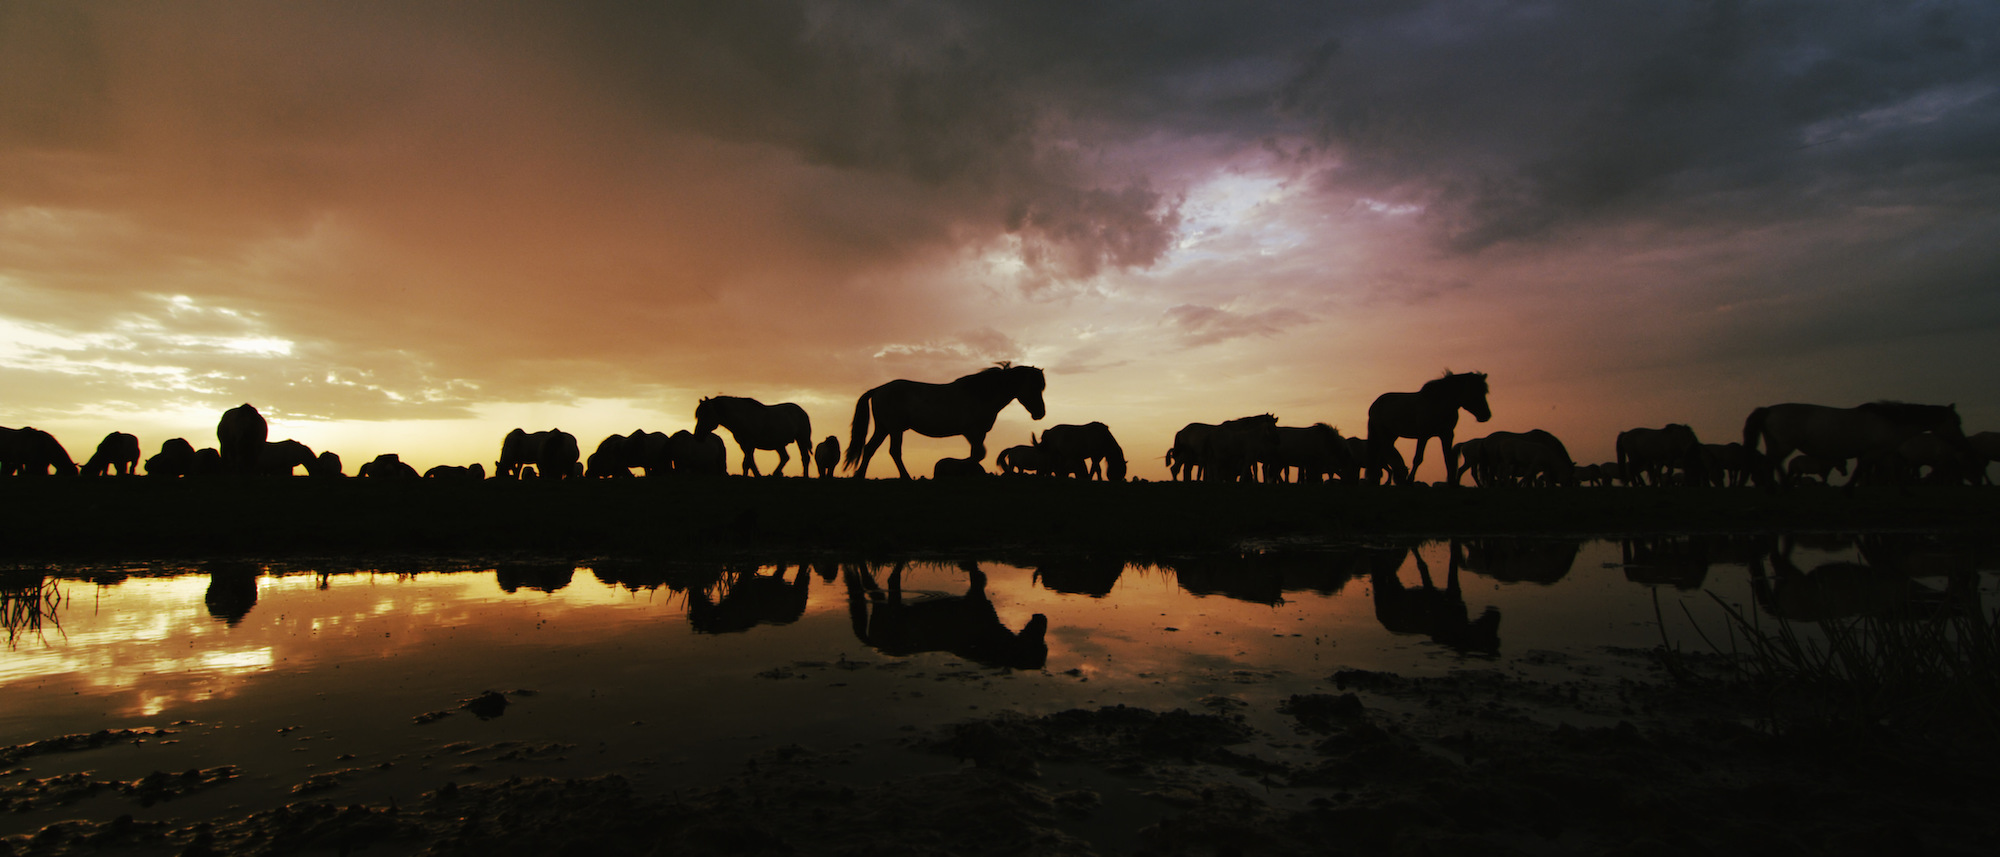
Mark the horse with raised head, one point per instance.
(1086, 452)
(964, 408)
(1870, 433)
(756, 426)
(117, 453)
(241, 433)
(1430, 412)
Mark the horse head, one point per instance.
(1028, 384)
(1470, 388)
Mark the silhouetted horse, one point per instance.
(117, 453)
(698, 454)
(966, 407)
(176, 458)
(1803, 466)
(1015, 460)
(1531, 457)
(1316, 452)
(553, 454)
(966, 626)
(750, 599)
(455, 473)
(280, 457)
(756, 426)
(1237, 450)
(1869, 433)
(957, 468)
(826, 456)
(1398, 472)
(32, 452)
(1648, 455)
(1087, 451)
(1436, 613)
(608, 461)
(328, 465)
(389, 465)
(1729, 465)
(1987, 445)
(1430, 412)
(1935, 460)
(241, 433)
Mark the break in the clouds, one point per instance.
(417, 210)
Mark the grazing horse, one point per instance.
(328, 466)
(1516, 458)
(965, 408)
(454, 473)
(1430, 412)
(1398, 471)
(241, 433)
(1237, 449)
(389, 465)
(176, 458)
(1087, 451)
(32, 452)
(117, 453)
(756, 426)
(553, 454)
(280, 457)
(1649, 455)
(1728, 465)
(1870, 433)
(698, 454)
(826, 456)
(1316, 451)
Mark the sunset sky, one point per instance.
(410, 227)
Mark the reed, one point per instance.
(29, 602)
(1929, 672)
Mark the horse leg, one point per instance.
(874, 443)
(978, 441)
(1417, 460)
(896, 453)
(785, 458)
(1450, 459)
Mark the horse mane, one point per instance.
(1455, 379)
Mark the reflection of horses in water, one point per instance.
(552, 453)
(750, 599)
(1087, 451)
(1436, 613)
(1518, 560)
(756, 426)
(1870, 433)
(966, 625)
(241, 433)
(232, 590)
(33, 452)
(538, 576)
(1430, 412)
(1679, 561)
(1081, 575)
(117, 453)
(966, 407)
(1838, 590)
(826, 456)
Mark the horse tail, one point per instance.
(858, 437)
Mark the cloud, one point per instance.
(1203, 325)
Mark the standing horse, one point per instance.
(1870, 433)
(1087, 451)
(965, 408)
(1652, 455)
(827, 456)
(117, 453)
(1430, 412)
(241, 433)
(756, 426)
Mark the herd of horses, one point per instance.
(1783, 445)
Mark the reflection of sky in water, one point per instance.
(349, 658)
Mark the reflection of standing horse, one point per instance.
(966, 626)
(1869, 433)
(966, 407)
(756, 426)
(1425, 609)
(1430, 412)
(241, 433)
(1087, 451)
(750, 599)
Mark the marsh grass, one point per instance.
(1929, 674)
(29, 604)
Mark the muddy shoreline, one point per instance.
(108, 519)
